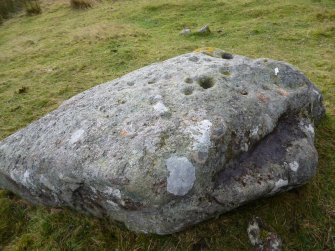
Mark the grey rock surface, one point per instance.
(186, 31)
(262, 237)
(171, 144)
(204, 30)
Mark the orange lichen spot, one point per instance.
(282, 92)
(209, 50)
(263, 98)
(123, 133)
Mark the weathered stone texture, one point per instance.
(171, 144)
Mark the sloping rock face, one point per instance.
(171, 144)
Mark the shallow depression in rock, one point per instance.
(206, 82)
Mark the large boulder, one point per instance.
(171, 144)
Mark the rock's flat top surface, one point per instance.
(171, 144)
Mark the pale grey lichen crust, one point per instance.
(181, 175)
(171, 144)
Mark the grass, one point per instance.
(82, 4)
(48, 58)
(32, 7)
(9, 7)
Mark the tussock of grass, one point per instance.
(32, 7)
(8, 7)
(55, 55)
(82, 4)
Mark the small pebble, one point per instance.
(205, 29)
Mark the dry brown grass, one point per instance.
(82, 4)
(32, 7)
(9, 7)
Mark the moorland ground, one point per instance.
(47, 58)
